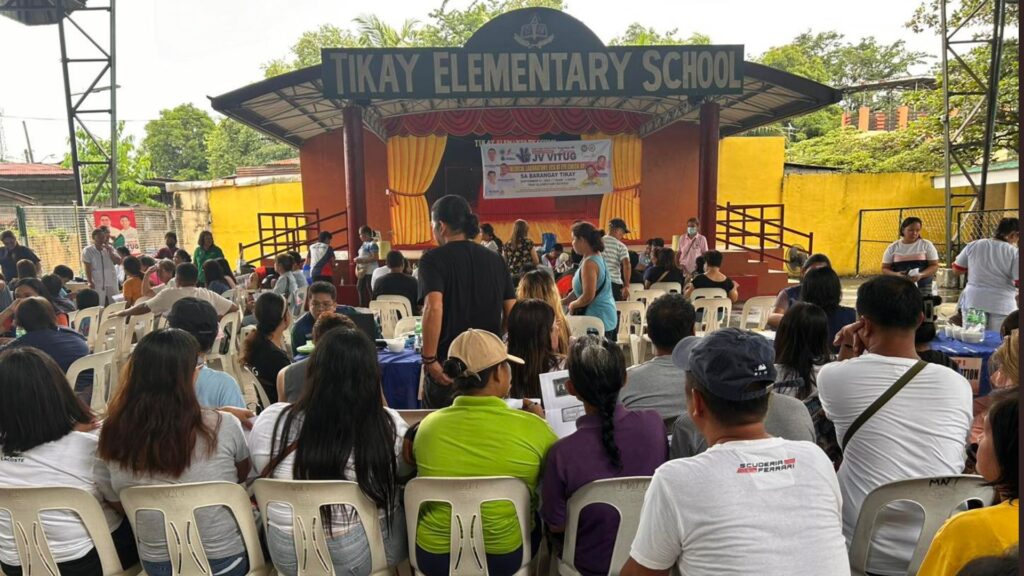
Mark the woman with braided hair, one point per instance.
(598, 449)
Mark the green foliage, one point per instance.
(914, 149)
(638, 35)
(306, 51)
(232, 144)
(446, 27)
(374, 32)
(132, 168)
(452, 27)
(176, 142)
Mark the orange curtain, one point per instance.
(624, 200)
(412, 163)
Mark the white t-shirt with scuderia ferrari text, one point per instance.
(770, 507)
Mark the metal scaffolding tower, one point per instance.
(979, 99)
(74, 24)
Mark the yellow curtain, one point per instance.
(412, 163)
(624, 200)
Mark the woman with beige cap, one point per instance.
(480, 435)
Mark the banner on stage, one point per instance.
(544, 169)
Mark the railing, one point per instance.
(282, 232)
(764, 223)
(879, 227)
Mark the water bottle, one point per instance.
(418, 346)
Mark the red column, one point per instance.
(355, 182)
(707, 173)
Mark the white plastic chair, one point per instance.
(306, 498)
(113, 334)
(713, 312)
(140, 325)
(414, 416)
(103, 377)
(939, 497)
(636, 286)
(762, 306)
(645, 296)
(93, 316)
(177, 503)
(407, 325)
(631, 323)
(24, 506)
(626, 495)
(578, 325)
(113, 307)
(396, 298)
(464, 495)
(669, 287)
(227, 332)
(708, 293)
(391, 312)
(248, 382)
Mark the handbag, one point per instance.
(882, 400)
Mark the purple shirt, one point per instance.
(580, 458)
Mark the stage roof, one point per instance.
(293, 108)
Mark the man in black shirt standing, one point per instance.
(463, 285)
(397, 282)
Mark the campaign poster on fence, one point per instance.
(543, 169)
(121, 224)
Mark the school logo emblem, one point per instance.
(534, 35)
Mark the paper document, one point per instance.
(561, 409)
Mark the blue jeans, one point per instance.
(230, 566)
(350, 552)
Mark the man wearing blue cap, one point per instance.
(751, 503)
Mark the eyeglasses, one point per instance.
(322, 305)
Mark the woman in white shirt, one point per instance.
(48, 440)
(157, 433)
(991, 265)
(338, 430)
(911, 256)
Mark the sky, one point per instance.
(172, 52)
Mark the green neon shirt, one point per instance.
(480, 436)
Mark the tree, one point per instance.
(977, 18)
(306, 51)
(374, 32)
(453, 27)
(826, 58)
(446, 27)
(637, 35)
(232, 144)
(176, 142)
(133, 167)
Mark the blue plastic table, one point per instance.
(963, 352)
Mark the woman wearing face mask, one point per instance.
(692, 245)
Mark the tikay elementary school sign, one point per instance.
(530, 65)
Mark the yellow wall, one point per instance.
(233, 210)
(750, 170)
(829, 205)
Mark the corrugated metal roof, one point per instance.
(292, 108)
(24, 169)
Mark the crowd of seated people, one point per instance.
(758, 451)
